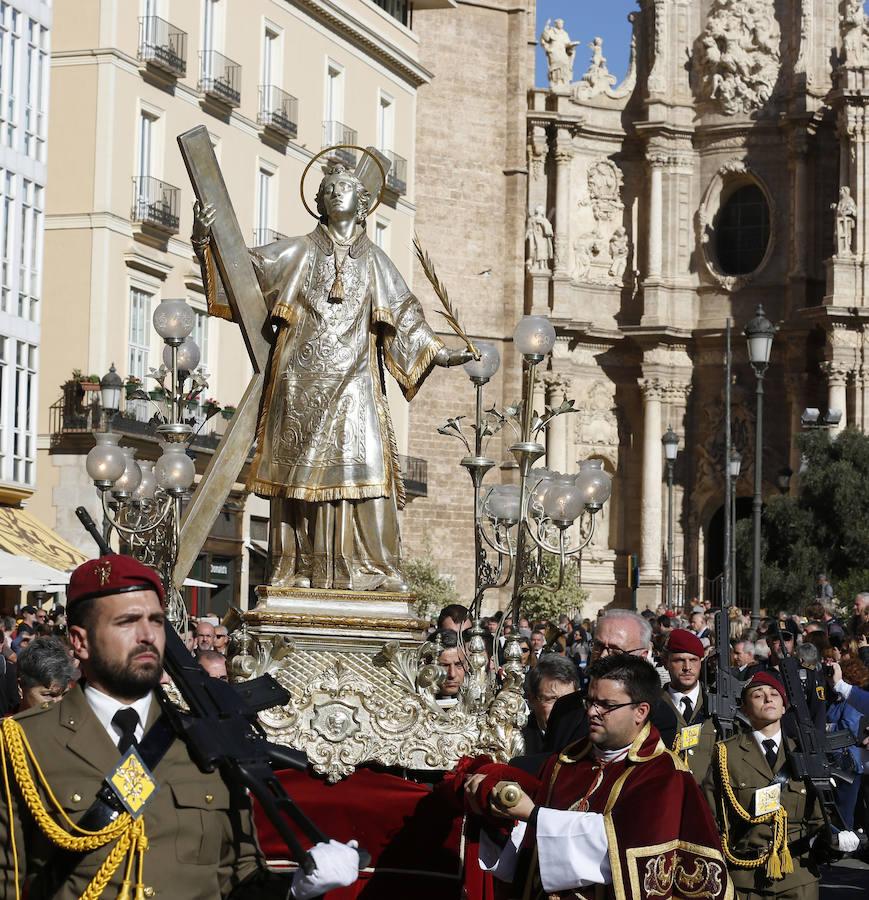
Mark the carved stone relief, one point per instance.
(737, 56)
(602, 247)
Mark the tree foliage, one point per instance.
(540, 605)
(431, 591)
(824, 528)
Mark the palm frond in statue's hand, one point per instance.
(448, 312)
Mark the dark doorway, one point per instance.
(715, 538)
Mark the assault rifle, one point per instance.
(221, 732)
(724, 690)
(810, 762)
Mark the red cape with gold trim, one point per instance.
(663, 841)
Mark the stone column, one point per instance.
(563, 154)
(837, 390)
(657, 161)
(799, 148)
(557, 433)
(653, 459)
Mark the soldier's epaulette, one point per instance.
(34, 711)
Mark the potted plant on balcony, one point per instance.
(131, 385)
(90, 382)
(157, 393)
(228, 411)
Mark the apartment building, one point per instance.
(273, 81)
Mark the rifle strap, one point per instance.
(106, 808)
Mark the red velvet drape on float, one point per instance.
(414, 835)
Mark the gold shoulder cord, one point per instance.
(777, 856)
(16, 752)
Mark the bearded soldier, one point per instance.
(326, 451)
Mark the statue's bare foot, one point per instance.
(394, 585)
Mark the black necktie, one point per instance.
(687, 709)
(126, 720)
(771, 752)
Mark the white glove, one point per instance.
(337, 866)
(847, 841)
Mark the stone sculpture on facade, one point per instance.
(846, 221)
(560, 53)
(582, 252)
(598, 78)
(619, 248)
(738, 55)
(538, 240)
(852, 29)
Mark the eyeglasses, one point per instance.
(600, 648)
(603, 707)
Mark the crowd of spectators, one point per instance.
(831, 646)
(37, 665)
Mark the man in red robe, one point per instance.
(616, 812)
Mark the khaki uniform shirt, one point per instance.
(200, 833)
(749, 771)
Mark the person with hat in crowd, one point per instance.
(190, 835)
(771, 828)
(681, 715)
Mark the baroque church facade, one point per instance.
(728, 170)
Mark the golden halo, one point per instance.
(314, 158)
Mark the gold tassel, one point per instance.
(336, 294)
(773, 866)
(787, 861)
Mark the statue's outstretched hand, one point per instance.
(447, 357)
(203, 219)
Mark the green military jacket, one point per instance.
(748, 771)
(200, 833)
(669, 720)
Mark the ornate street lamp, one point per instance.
(733, 467)
(670, 440)
(111, 385)
(759, 333)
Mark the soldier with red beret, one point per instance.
(185, 833)
(770, 826)
(681, 714)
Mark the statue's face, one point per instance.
(559, 23)
(341, 196)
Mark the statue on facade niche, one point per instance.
(619, 247)
(560, 52)
(325, 448)
(582, 251)
(538, 239)
(846, 221)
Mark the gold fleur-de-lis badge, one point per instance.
(103, 572)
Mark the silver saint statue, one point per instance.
(325, 447)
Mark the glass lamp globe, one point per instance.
(534, 336)
(563, 502)
(174, 470)
(487, 365)
(503, 503)
(594, 483)
(132, 477)
(539, 482)
(148, 483)
(106, 461)
(173, 320)
(188, 355)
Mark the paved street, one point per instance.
(847, 879)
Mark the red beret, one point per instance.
(683, 641)
(768, 679)
(115, 574)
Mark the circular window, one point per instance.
(742, 231)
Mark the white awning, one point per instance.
(192, 582)
(26, 572)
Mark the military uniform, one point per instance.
(748, 771)
(692, 739)
(201, 843)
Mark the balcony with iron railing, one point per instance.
(163, 46)
(414, 471)
(278, 111)
(339, 133)
(263, 236)
(155, 203)
(396, 177)
(219, 78)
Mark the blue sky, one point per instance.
(584, 20)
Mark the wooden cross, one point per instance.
(250, 311)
